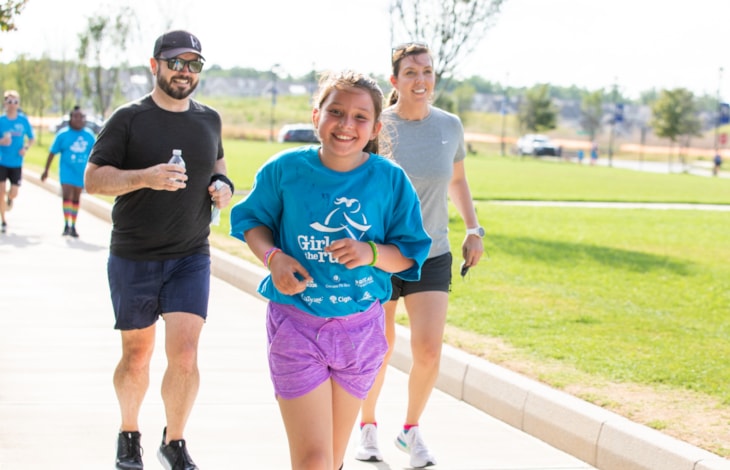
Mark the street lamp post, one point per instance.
(718, 114)
(613, 124)
(504, 114)
(274, 68)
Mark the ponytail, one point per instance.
(392, 97)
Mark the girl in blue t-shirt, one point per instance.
(332, 223)
(74, 144)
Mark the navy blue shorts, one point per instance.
(435, 276)
(143, 290)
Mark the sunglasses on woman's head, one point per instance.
(177, 64)
(408, 48)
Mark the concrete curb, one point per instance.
(588, 432)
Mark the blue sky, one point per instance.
(637, 44)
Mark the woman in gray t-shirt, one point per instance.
(429, 144)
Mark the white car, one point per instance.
(537, 145)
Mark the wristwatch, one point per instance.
(478, 231)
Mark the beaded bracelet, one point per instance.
(375, 252)
(269, 254)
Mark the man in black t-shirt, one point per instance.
(159, 258)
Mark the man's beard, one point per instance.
(173, 92)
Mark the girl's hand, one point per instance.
(287, 274)
(351, 253)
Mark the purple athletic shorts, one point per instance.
(305, 350)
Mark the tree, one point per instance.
(591, 112)
(452, 28)
(675, 114)
(31, 78)
(8, 11)
(537, 112)
(65, 83)
(105, 37)
(464, 95)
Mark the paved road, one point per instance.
(621, 205)
(697, 168)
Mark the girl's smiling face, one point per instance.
(345, 123)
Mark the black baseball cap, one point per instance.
(173, 43)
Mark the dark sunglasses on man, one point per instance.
(12, 101)
(177, 64)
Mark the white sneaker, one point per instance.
(411, 443)
(368, 450)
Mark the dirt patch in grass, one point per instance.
(698, 419)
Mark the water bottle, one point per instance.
(177, 159)
(215, 213)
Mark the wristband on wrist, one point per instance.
(270, 254)
(222, 177)
(375, 252)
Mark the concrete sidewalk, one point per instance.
(58, 351)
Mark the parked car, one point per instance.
(537, 145)
(94, 125)
(298, 133)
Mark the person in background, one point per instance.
(594, 153)
(331, 223)
(429, 144)
(159, 258)
(717, 163)
(16, 138)
(74, 144)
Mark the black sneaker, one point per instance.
(174, 456)
(66, 230)
(129, 451)
(72, 231)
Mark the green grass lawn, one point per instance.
(629, 295)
